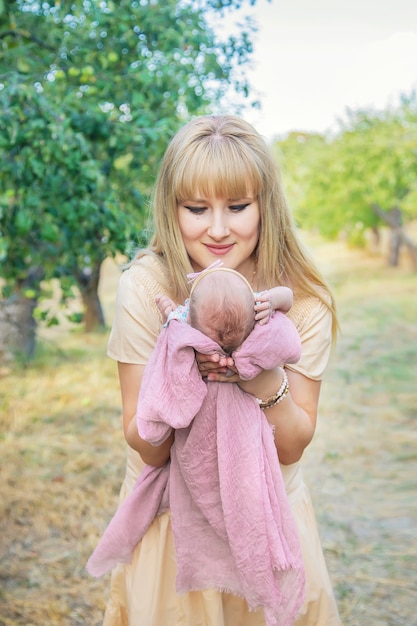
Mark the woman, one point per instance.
(218, 196)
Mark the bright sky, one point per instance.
(315, 58)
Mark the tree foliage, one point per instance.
(371, 160)
(90, 92)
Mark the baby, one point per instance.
(223, 306)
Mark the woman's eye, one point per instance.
(239, 207)
(196, 210)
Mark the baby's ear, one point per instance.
(188, 318)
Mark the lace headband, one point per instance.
(217, 266)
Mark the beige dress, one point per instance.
(143, 592)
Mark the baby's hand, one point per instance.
(165, 305)
(263, 308)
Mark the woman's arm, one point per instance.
(294, 418)
(130, 377)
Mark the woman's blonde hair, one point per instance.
(224, 156)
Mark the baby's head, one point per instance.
(222, 307)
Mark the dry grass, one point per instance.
(62, 458)
(363, 460)
(62, 461)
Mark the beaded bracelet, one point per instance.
(279, 395)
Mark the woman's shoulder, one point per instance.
(145, 272)
(137, 320)
(313, 320)
(304, 305)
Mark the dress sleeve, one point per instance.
(137, 320)
(315, 329)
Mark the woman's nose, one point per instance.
(218, 228)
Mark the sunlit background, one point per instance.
(313, 59)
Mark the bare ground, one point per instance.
(62, 458)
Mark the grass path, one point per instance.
(62, 458)
(362, 464)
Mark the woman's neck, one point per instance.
(248, 269)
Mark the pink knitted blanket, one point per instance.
(232, 524)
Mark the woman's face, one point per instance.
(220, 229)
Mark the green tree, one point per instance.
(297, 153)
(352, 181)
(90, 93)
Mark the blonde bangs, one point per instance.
(221, 168)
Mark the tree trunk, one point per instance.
(88, 281)
(375, 239)
(17, 324)
(398, 235)
(17, 328)
(395, 237)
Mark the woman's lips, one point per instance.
(219, 250)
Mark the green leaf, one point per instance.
(123, 162)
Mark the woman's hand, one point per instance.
(220, 368)
(215, 367)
